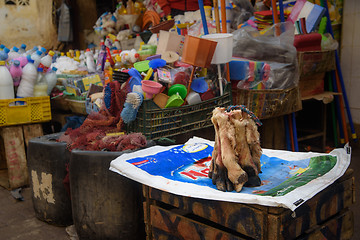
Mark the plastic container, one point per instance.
(199, 85)
(161, 99)
(224, 47)
(142, 66)
(47, 160)
(138, 40)
(178, 88)
(16, 72)
(198, 51)
(36, 56)
(90, 63)
(41, 86)
(13, 54)
(174, 100)
(105, 205)
(6, 82)
(150, 88)
(28, 80)
(51, 79)
(24, 110)
(46, 61)
(193, 98)
(157, 123)
(22, 49)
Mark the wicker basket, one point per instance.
(314, 62)
(270, 102)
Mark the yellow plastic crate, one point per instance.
(24, 110)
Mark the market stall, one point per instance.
(156, 76)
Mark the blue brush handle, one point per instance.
(203, 17)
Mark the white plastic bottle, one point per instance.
(138, 41)
(46, 61)
(6, 82)
(31, 51)
(90, 63)
(28, 80)
(36, 56)
(13, 54)
(41, 86)
(51, 79)
(22, 49)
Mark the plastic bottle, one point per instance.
(118, 64)
(130, 7)
(4, 54)
(51, 79)
(108, 71)
(23, 60)
(28, 80)
(101, 58)
(22, 49)
(2, 46)
(90, 63)
(16, 72)
(46, 61)
(117, 44)
(41, 86)
(13, 54)
(137, 43)
(31, 51)
(43, 51)
(36, 56)
(6, 82)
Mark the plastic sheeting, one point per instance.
(288, 178)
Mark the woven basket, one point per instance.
(314, 62)
(268, 103)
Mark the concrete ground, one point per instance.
(18, 221)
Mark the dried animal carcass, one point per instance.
(236, 155)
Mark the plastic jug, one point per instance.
(28, 80)
(46, 61)
(16, 72)
(51, 79)
(41, 86)
(6, 82)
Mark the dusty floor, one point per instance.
(18, 221)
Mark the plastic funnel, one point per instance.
(178, 88)
(199, 85)
(150, 88)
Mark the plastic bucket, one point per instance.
(224, 48)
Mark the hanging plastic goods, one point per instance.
(36, 56)
(41, 86)
(16, 72)
(90, 63)
(28, 80)
(6, 82)
(51, 80)
(46, 61)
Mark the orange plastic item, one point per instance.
(150, 18)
